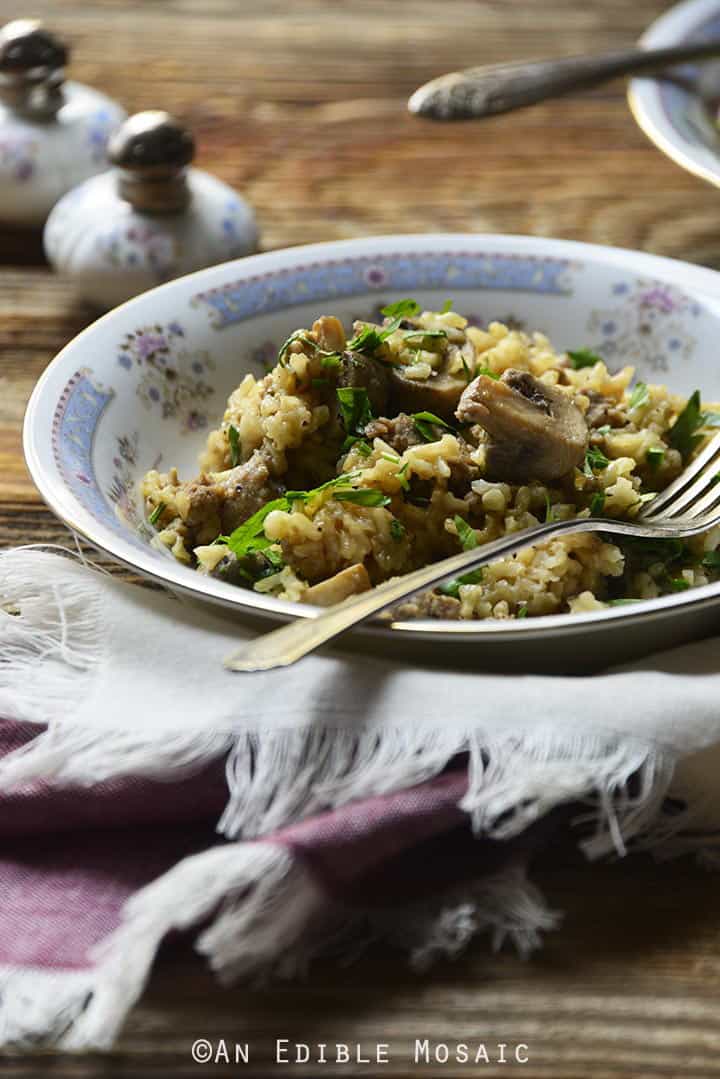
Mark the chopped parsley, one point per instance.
(250, 537)
(397, 530)
(639, 397)
(594, 459)
(401, 309)
(655, 456)
(355, 408)
(452, 588)
(597, 503)
(424, 423)
(583, 357)
(363, 448)
(234, 440)
(682, 435)
(329, 359)
(362, 496)
(424, 333)
(466, 534)
(469, 375)
(157, 513)
(522, 611)
(370, 338)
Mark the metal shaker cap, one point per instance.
(151, 150)
(31, 68)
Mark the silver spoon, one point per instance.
(496, 88)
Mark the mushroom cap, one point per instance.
(26, 46)
(536, 431)
(152, 142)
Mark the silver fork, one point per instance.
(688, 506)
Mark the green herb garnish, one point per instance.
(597, 503)
(362, 496)
(655, 456)
(318, 383)
(522, 611)
(401, 309)
(402, 477)
(594, 458)
(486, 371)
(424, 423)
(364, 448)
(452, 588)
(355, 409)
(447, 306)
(424, 333)
(370, 338)
(678, 584)
(549, 514)
(466, 534)
(250, 536)
(157, 513)
(583, 357)
(234, 440)
(639, 397)
(682, 435)
(397, 530)
(329, 359)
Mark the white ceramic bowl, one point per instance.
(141, 387)
(674, 114)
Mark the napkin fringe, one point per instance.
(49, 655)
(268, 917)
(38, 1005)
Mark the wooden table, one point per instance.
(301, 104)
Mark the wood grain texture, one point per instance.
(301, 104)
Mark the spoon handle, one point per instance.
(487, 91)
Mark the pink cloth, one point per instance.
(69, 859)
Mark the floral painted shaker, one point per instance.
(149, 219)
(53, 133)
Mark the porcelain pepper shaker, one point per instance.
(148, 219)
(53, 133)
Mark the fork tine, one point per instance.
(685, 501)
(698, 473)
(703, 506)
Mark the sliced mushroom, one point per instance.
(439, 393)
(536, 431)
(348, 582)
(359, 371)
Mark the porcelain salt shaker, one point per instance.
(148, 219)
(53, 133)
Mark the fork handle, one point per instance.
(290, 643)
(496, 88)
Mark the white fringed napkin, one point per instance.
(130, 682)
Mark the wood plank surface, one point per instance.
(301, 104)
